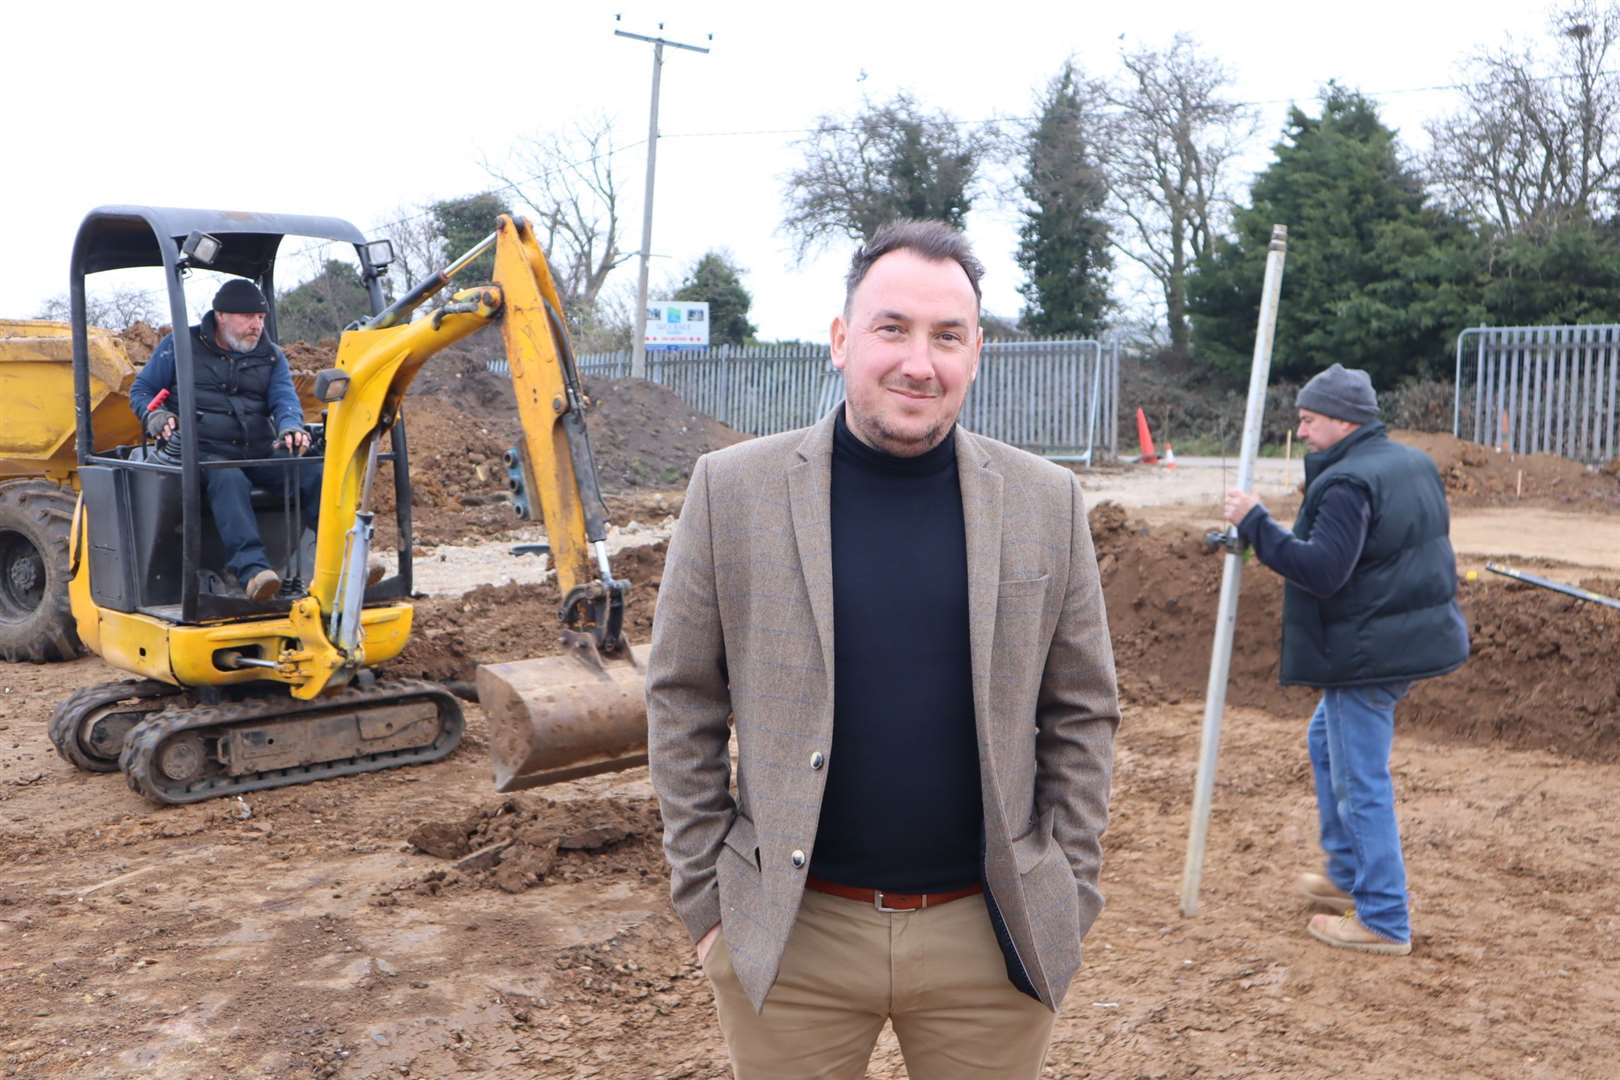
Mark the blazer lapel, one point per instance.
(810, 496)
(981, 514)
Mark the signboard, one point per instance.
(677, 324)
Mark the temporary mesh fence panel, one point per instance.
(1540, 389)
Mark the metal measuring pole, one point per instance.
(638, 357)
(1220, 661)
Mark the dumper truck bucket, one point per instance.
(558, 718)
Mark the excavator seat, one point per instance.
(135, 540)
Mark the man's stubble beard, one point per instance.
(880, 436)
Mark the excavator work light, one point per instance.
(331, 384)
(380, 252)
(200, 249)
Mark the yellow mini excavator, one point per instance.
(234, 695)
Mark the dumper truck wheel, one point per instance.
(36, 621)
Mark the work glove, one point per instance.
(294, 439)
(160, 424)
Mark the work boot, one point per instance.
(1321, 892)
(1346, 932)
(376, 570)
(263, 585)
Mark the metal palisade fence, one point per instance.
(1057, 398)
(1540, 389)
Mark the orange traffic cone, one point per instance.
(1145, 438)
(1169, 456)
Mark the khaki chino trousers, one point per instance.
(937, 975)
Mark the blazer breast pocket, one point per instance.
(1022, 587)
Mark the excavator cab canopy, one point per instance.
(117, 237)
(125, 237)
(177, 240)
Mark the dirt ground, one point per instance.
(304, 933)
(335, 930)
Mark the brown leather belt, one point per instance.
(891, 901)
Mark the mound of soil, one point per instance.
(457, 476)
(1543, 673)
(516, 844)
(140, 340)
(456, 456)
(643, 434)
(1477, 475)
(311, 355)
(1161, 591)
(461, 374)
(451, 636)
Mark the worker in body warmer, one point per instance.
(1369, 606)
(246, 408)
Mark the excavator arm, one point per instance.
(554, 460)
(552, 464)
(555, 717)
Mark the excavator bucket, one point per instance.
(561, 717)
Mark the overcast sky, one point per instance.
(355, 110)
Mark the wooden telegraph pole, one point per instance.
(638, 355)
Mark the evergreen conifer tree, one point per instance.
(1063, 241)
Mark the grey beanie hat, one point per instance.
(1342, 393)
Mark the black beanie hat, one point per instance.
(240, 296)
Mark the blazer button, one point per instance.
(798, 859)
(817, 760)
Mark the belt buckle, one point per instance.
(877, 902)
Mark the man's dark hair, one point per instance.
(933, 240)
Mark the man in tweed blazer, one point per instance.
(904, 623)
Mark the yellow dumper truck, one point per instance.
(39, 475)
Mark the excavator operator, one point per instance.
(246, 408)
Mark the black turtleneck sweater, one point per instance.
(901, 810)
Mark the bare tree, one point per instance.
(113, 309)
(888, 161)
(1535, 145)
(418, 247)
(609, 325)
(569, 180)
(1167, 156)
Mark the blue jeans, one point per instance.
(1350, 737)
(227, 493)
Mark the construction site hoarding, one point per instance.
(673, 325)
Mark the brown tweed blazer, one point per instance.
(744, 630)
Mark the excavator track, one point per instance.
(207, 751)
(88, 731)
